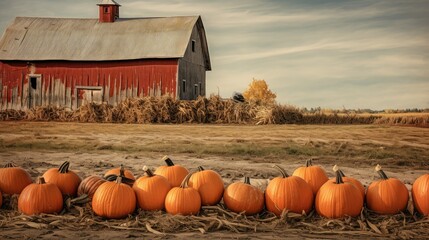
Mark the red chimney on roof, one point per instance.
(108, 11)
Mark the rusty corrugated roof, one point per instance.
(32, 39)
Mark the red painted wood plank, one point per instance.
(144, 74)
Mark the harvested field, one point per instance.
(234, 151)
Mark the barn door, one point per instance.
(34, 90)
(88, 94)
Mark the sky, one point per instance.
(367, 54)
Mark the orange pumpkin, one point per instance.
(386, 196)
(289, 193)
(127, 175)
(243, 197)
(183, 200)
(40, 197)
(13, 179)
(209, 184)
(151, 191)
(174, 173)
(420, 193)
(356, 182)
(1, 199)
(89, 185)
(114, 200)
(313, 175)
(66, 180)
(339, 199)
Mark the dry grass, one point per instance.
(420, 121)
(345, 144)
(216, 218)
(202, 110)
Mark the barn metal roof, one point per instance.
(108, 2)
(33, 39)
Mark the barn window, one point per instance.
(201, 87)
(33, 82)
(183, 85)
(106, 9)
(193, 45)
(196, 90)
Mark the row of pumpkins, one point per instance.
(174, 189)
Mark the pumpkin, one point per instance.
(356, 182)
(1, 199)
(40, 197)
(174, 173)
(289, 193)
(183, 200)
(313, 175)
(114, 200)
(66, 180)
(420, 193)
(127, 175)
(13, 179)
(209, 184)
(89, 185)
(117, 171)
(151, 190)
(386, 196)
(336, 199)
(243, 197)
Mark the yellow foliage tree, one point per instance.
(259, 93)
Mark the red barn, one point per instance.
(66, 62)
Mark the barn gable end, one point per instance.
(194, 64)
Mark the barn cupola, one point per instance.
(108, 11)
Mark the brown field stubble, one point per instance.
(234, 151)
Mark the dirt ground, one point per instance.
(234, 151)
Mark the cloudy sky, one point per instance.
(332, 54)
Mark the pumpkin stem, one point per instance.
(168, 161)
(338, 171)
(184, 183)
(200, 168)
(282, 171)
(40, 180)
(64, 168)
(381, 172)
(148, 171)
(119, 180)
(113, 177)
(309, 163)
(122, 171)
(339, 179)
(247, 180)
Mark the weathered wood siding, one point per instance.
(192, 69)
(69, 84)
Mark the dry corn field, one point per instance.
(234, 151)
(203, 110)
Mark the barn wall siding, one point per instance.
(194, 75)
(69, 84)
(192, 68)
